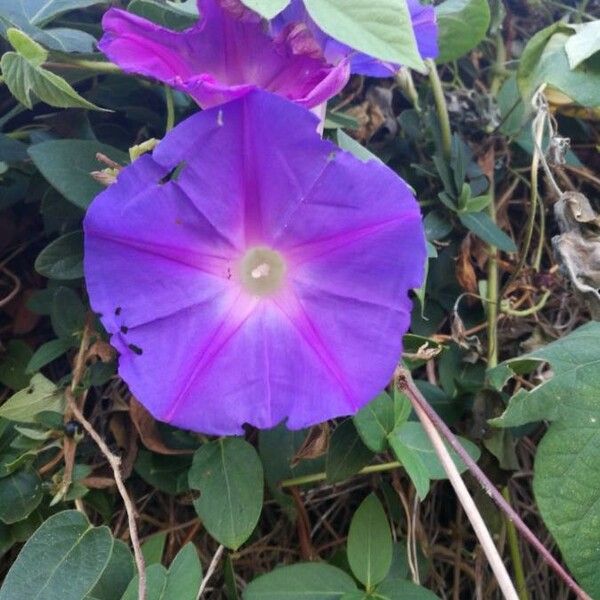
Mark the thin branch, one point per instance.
(115, 463)
(474, 516)
(211, 569)
(405, 381)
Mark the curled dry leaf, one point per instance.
(149, 434)
(577, 248)
(465, 273)
(314, 445)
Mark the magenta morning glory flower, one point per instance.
(251, 272)
(223, 57)
(424, 26)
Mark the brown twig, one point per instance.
(73, 410)
(405, 382)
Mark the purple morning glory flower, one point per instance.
(424, 26)
(223, 57)
(251, 272)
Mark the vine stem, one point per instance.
(407, 385)
(468, 504)
(170, 101)
(316, 477)
(513, 542)
(441, 108)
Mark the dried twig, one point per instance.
(405, 381)
(210, 571)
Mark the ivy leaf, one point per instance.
(266, 8)
(567, 464)
(380, 28)
(78, 556)
(302, 581)
(27, 79)
(229, 475)
(585, 42)
(370, 543)
(40, 396)
(575, 361)
(462, 25)
(545, 60)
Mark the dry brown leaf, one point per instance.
(146, 426)
(465, 273)
(314, 445)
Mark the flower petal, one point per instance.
(162, 249)
(221, 58)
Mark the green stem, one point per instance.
(316, 477)
(492, 293)
(441, 108)
(527, 312)
(170, 109)
(92, 65)
(515, 552)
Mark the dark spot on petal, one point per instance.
(173, 174)
(124, 329)
(135, 349)
(118, 310)
(30, 390)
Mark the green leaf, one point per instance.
(67, 164)
(437, 225)
(166, 473)
(30, 15)
(168, 15)
(545, 60)
(153, 548)
(63, 559)
(27, 81)
(370, 543)
(462, 25)
(477, 204)
(40, 12)
(483, 227)
(41, 395)
(13, 365)
(347, 454)
(413, 464)
(20, 494)
(345, 142)
(229, 475)
(302, 581)
(266, 8)
(184, 575)
(566, 483)
(27, 47)
(62, 258)
(67, 313)
(571, 394)
(585, 43)
(375, 422)
(413, 435)
(156, 582)
(380, 28)
(117, 575)
(48, 352)
(400, 589)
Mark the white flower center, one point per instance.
(262, 271)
